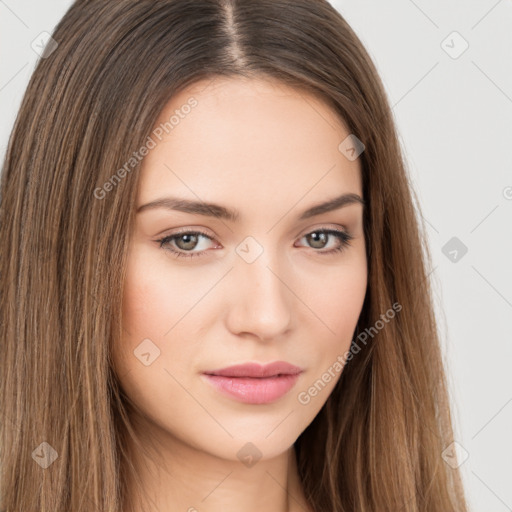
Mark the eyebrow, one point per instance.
(221, 212)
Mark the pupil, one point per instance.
(318, 237)
(190, 241)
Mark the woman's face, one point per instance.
(266, 286)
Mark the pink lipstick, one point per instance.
(253, 383)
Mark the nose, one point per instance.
(261, 300)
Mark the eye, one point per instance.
(318, 239)
(183, 243)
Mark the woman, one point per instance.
(214, 287)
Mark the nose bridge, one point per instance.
(261, 303)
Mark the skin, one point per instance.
(270, 152)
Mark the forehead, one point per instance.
(239, 140)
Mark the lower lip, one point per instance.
(253, 390)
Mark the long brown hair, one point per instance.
(91, 103)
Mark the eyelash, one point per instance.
(344, 237)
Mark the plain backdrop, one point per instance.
(447, 69)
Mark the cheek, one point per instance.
(337, 307)
(151, 294)
(159, 301)
(335, 300)
(145, 299)
(335, 296)
(343, 299)
(152, 357)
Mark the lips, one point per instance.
(254, 384)
(255, 370)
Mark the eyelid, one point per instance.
(322, 227)
(187, 229)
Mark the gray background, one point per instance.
(454, 115)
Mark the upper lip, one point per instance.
(257, 370)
